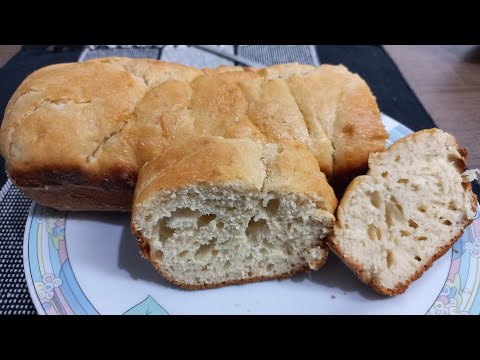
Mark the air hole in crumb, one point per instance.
(255, 228)
(447, 222)
(452, 158)
(415, 187)
(412, 224)
(280, 149)
(397, 158)
(458, 162)
(288, 250)
(227, 264)
(269, 267)
(149, 217)
(389, 258)
(185, 213)
(165, 232)
(374, 233)
(267, 245)
(263, 251)
(204, 249)
(422, 208)
(403, 181)
(183, 254)
(205, 268)
(452, 205)
(405, 233)
(440, 186)
(418, 258)
(398, 206)
(214, 252)
(206, 219)
(385, 174)
(393, 212)
(249, 257)
(158, 255)
(421, 238)
(376, 199)
(272, 207)
(220, 225)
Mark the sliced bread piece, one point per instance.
(409, 209)
(219, 212)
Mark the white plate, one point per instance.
(89, 263)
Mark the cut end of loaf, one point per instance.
(226, 211)
(209, 236)
(406, 212)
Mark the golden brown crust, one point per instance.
(207, 160)
(358, 131)
(74, 189)
(290, 169)
(72, 124)
(81, 198)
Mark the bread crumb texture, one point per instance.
(409, 209)
(239, 214)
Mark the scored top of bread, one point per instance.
(74, 136)
(409, 209)
(225, 211)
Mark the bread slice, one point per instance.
(409, 209)
(219, 212)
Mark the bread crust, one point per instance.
(75, 189)
(240, 163)
(81, 198)
(88, 128)
(358, 268)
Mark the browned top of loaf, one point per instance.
(288, 167)
(114, 114)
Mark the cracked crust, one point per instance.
(96, 123)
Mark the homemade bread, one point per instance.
(409, 209)
(75, 136)
(222, 211)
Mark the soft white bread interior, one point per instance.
(221, 211)
(409, 209)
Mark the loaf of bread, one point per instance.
(225, 211)
(75, 135)
(409, 209)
